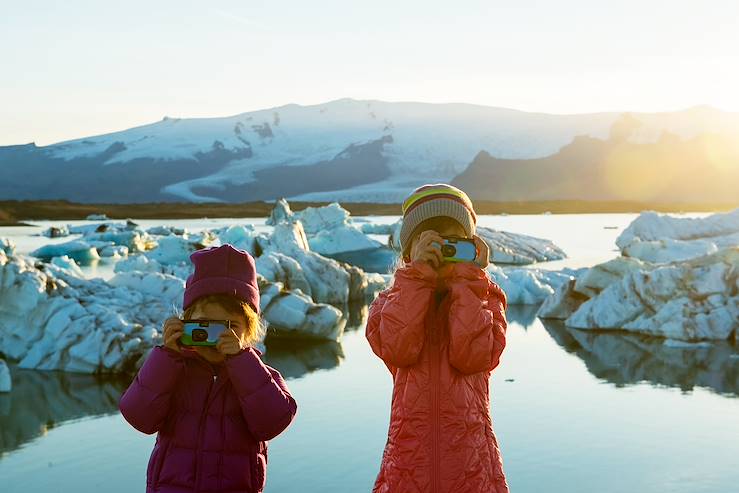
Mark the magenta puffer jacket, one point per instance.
(212, 422)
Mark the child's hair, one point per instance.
(255, 327)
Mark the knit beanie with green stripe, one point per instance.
(432, 200)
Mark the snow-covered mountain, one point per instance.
(346, 150)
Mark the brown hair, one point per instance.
(255, 328)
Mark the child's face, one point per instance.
(444, 228)
(213, 311)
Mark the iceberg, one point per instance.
(528, 286)
(688, 300)
(97, 217)
(51, 318)
(7, 246)
(518, 249)
(651, 226)
(661, 238)
(328, 229)
(79, 250)
(55, 232)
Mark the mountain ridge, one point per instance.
(251, 155)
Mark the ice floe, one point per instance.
(79, 250)
(528, 286)
(651, 225)
(689, 300)
(51, 318)
(7, 246)
(96, 217)
(665, 238)
(329, 229)
(518, 249)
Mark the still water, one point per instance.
(574, 411)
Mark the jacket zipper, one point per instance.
(203, 415)
(435, 487)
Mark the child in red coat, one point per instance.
(440, 329)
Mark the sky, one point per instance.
(79, 68)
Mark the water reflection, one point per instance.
(40, 400)
(626, 358)
(295, 359)
(523, 315)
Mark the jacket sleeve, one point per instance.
(396, 321)
(477, 321)
(146, 402)
(266, 403)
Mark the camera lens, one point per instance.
(199, 335)
(448, 250)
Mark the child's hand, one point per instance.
(229, 343)
(427, 247)
(483, 252)
(173, 329)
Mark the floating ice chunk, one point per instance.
(5, 381)
(281, 212)
(524, 286)
(81, 251)
(342, 239)
(329, 281)
(294, 314)
(56, 232)
(114, 251)
(7, 246)
(173, 250)
(166, 231)
(689, 300)
(68, 264)
(651, 226)
(240, 236)
(371, 228)
(52, 319)
(169, 288)
(594, 280)
(562, 303)
(328, 217)
(134, 241)
(518, 249)
(97, 217)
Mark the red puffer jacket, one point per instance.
(440, 336)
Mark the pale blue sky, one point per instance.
(78, 68)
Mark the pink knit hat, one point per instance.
(222, 270)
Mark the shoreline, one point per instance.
(15, 212)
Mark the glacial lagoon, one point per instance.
(575, 411)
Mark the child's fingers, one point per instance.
(430, 258)
(173, 338)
